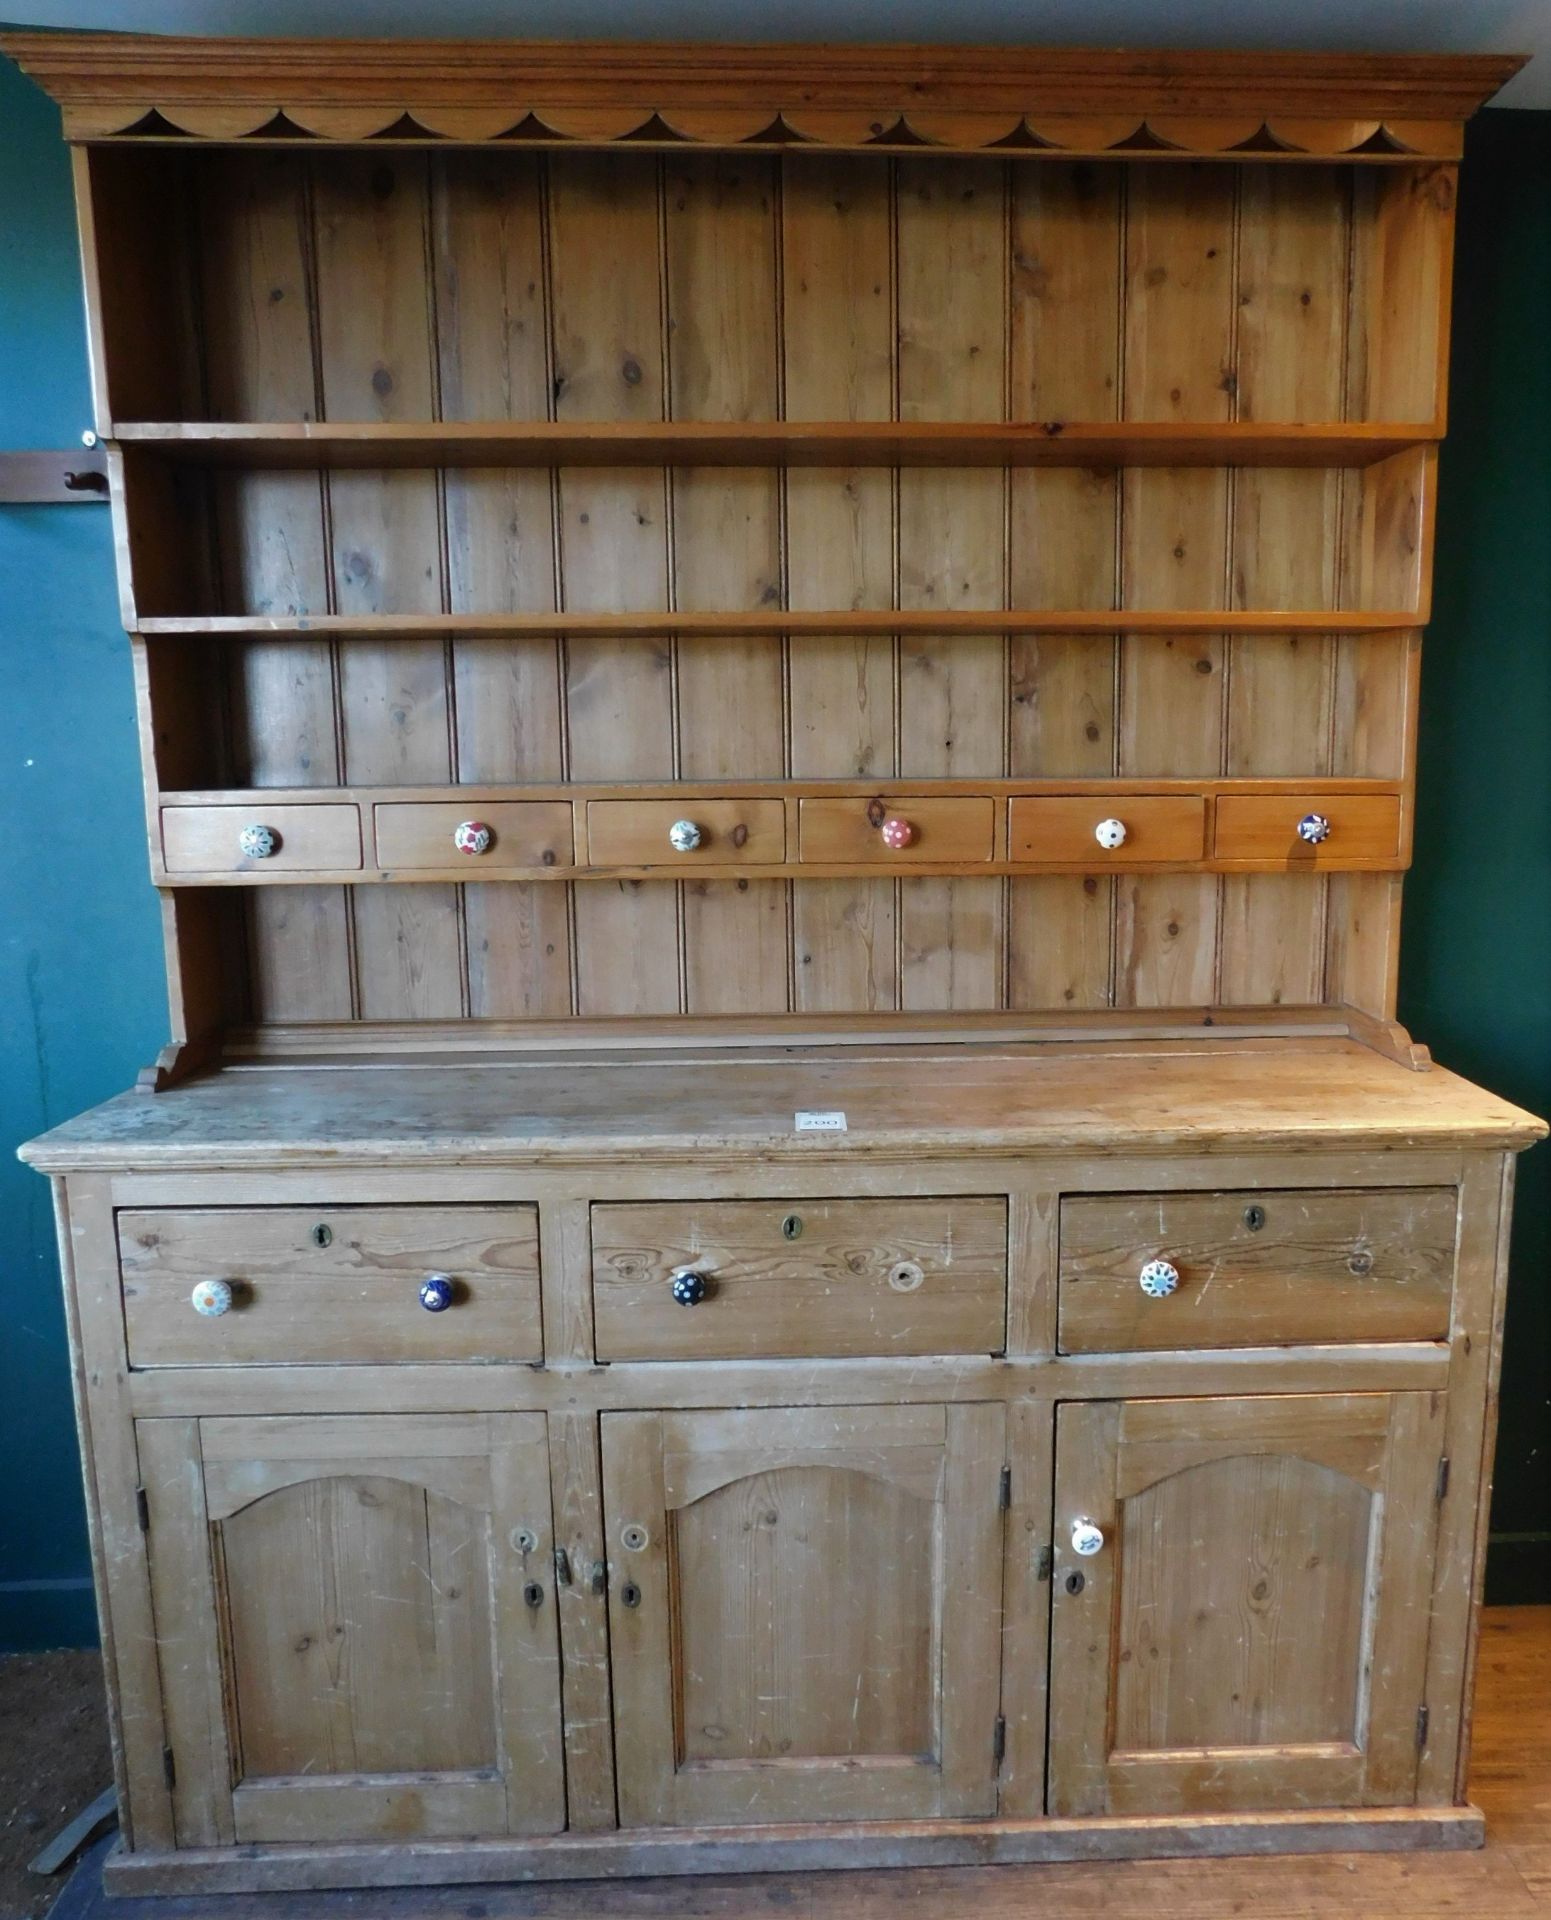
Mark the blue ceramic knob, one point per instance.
(688, 1287)
(1313, 828)
(436, 1292)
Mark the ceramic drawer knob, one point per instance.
(1110, 834)
(688, 1286)
(1158, 1279)
(472, 836)
(684, 836)
(257, 842)
(212, 1298)
(897, 833)
(436, 1292)
(1314, 827)
(1087, 1537)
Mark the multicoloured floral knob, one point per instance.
(896, 833)
(1110, 834)
(211, 1298)
(436, 1292)
(688, 1286)
(472, 836)
(1087, 1537)
(1158, 1279)
(1314, 827)
(257, 842)
(684, 836)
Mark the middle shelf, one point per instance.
(772, 830)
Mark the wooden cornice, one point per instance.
(889, 98)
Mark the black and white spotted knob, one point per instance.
(689, 1287)
(1313, 828)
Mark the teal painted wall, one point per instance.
(80, 969)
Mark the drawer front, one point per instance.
(1064, 827)
(849, 831)
(1264, 826)
(517, 833)
(635, 833)
(1256, 1269)
(800, 1278)
(330, 1284)
(308, 839)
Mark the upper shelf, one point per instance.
(774, 443)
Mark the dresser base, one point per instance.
(793, 1849)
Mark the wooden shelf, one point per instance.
(763, 624)
(767, 443)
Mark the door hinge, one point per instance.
(169, 1767)
(1004, 1489)
(143, 1509)
(1422, 1717)
(1044, 1563)
(1443, 1477)
(999, 1739)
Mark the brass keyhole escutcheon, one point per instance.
(322, 1236)
(791, 1227)
(1254, 1218)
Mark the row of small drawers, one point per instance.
(1054, 829)
(752, 1279)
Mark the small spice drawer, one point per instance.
(1310, 829)
(898, 831)
(257, 839)
(646, 833)
(1156, 1271)
(1121, 827)
(798, 1279)
(280, 1286)
(515, 833)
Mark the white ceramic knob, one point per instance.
(257, 841)
(1313, 828)
(212, 1298)
(1087, 1537)
(472, 836)
(1158, 1279)
(684, 836)
(1110, 834)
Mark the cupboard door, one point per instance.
(804, 1611)
(1251, 1632)
(355, 1621)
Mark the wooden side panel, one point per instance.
(952, 325)
(1401, 261)
(724, 364)
(377, 363)
(1179, 357)
(1064, 363)
(493, 363)
(837, 280)
(608, 358)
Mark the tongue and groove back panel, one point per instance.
(403, 286)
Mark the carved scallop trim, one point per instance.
(1175, 134)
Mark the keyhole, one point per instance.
(1254, 1218)
(791, 1227)
(322, 1236)
(1075, 1582)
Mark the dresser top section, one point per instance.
(835, 96)
(940, 1101)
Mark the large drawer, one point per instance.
(329, 1284)
(1255, 1269)
(799, 1278)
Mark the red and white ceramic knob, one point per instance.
(472, 836)
(896, 832)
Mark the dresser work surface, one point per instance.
(785, 1222)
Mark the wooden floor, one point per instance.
(1511, 1783)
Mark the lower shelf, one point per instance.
(794, 1849)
